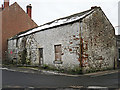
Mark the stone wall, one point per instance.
(99, 42)
(89, 43)
(67, 36)
(118, 50)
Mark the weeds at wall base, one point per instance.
(46, 67)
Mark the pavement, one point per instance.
(36, 70)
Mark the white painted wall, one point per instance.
(60, 35)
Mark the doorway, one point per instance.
(40, 56)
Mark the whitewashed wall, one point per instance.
(66, 35)
(61, 35)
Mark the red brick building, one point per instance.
(14, 20)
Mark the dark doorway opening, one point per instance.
(40, 56)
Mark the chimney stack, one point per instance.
(93, 7)
(29, 10)
(6, 3)
(2, 7)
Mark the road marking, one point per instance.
(97, 87)
(10, 70)
(12, 87)
(31, 87)
(3, 68)
(76, 86)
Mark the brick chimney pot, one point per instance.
(6, 3)
(29, 10)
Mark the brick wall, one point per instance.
(14, 20)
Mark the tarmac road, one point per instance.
(39, 80)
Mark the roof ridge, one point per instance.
(65, 17)
(57, 22)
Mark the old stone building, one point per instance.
(118, 50)
(14, 20)
(84, 40)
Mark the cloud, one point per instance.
(44, 11)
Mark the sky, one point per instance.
(44, 11)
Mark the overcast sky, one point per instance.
(44, 11)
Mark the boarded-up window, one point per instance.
(58, 52)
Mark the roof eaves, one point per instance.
(68, 17)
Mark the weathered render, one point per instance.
(118, 50)
(85, 40)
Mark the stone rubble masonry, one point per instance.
(93, 39)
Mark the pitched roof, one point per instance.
(58, 22)
(15, 6)
(14, 17)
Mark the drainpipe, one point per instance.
(117, 52)
(80, 35)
